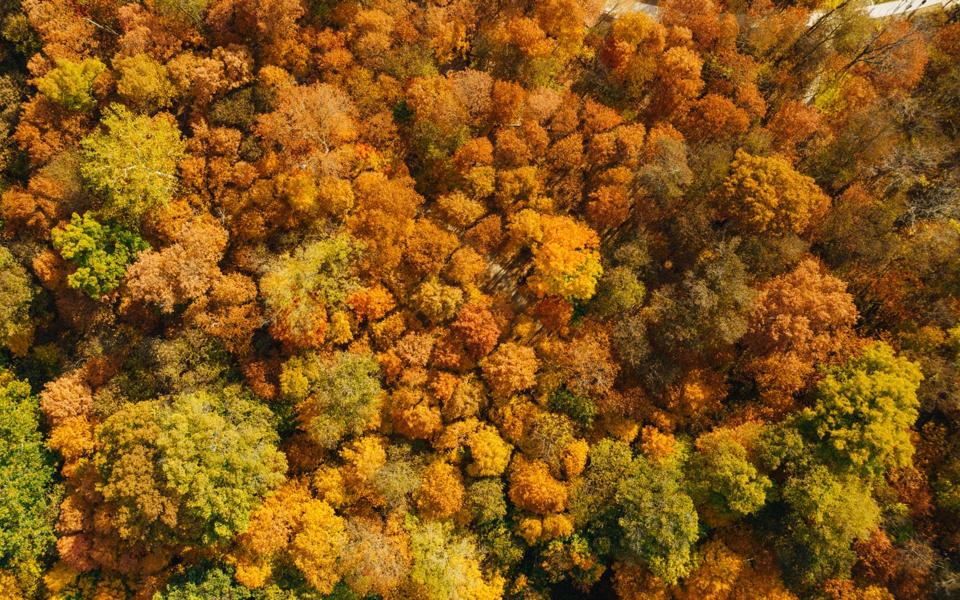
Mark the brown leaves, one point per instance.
(230, 312)
(311, 128)
(512, 368)
(802, 319)
(181, 272)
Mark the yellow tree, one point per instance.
(316, 548)
(765, 194)
(566, 260)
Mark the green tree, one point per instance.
(187, 469)
(619, 291)
(100, 253)
(201, 583)
(486, 500)
(132, 164)
(70, 84)
(827, 514)
(336, 397)
(722, 477)
(947, 486)
(26, 478)
(16, 294)
(581, 408)
(592, 495)
(658, 523)
(446, 565)
(864, 411)
(15, 29)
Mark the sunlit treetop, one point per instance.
(132, 163)
(767, 195)
(864, 411)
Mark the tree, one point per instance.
(336, 397)
(723, 479)
(446, 565)
(584, 363)
(630, 52)
(766, 195)
(592, 497)
(27, 496)
(486, 500)
(665, 172)
(17, 31)
(273, 24)
(199, 78)
(436, 301)
(16, 295)
(460, 210)
(548, 437)
(65, 397)
(188, 469)
(298, 289)
(200, 582)
(658, 524)
(10, 95)
(478, 329)
(708, 310)
(100, 253)
(144, 83)
(827, 514)
(230, 312)
(619, 291)
(489, 453)
(715, 117)
(441, 491)
(533, 488)
(580, 408)
(465, 266)
(70, 84)
(184, 270)
(189, 9)
(383, 218)
(318, 544)
(438, 122)
(800, 320)
(864, 411)
(678, 82)
(415, 414)
(132, 164)
(270, 532)
(565, 260)
(312, 126)
(609, 205)
(716, 575)
(376, 558)
(427, 247)
(512, 368)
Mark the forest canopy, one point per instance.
(472, 300)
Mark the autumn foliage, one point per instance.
(467, 300)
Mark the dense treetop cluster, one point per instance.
(476, 300)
